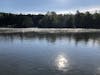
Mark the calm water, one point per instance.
(50, 54)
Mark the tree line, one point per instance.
(51, 20)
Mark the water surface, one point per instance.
(50, 54)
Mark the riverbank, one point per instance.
(47, 30)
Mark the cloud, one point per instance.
(91, 9)
(59, 6)
(62, 1)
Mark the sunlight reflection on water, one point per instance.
(62, 62)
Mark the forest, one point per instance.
(50, 20)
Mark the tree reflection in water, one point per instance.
(78, 37)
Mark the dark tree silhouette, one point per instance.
(51, 20)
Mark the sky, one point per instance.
(42, 6)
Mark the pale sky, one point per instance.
(42, 6)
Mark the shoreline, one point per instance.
(47, 30)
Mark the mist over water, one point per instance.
(50, 54)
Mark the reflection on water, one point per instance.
(98, 71)
(77, 37)
(62, 62)
(50, 54)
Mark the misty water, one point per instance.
(50, 54)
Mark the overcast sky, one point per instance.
(41, 6)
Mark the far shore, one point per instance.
(47, 30)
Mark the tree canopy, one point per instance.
(51, 20)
